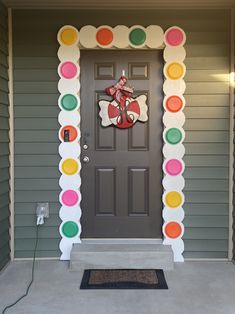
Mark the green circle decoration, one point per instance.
(173, 136)
(70, 229)
(69, 102)
(137, 36)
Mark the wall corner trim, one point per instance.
(11, 132)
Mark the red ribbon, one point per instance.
(119, 89)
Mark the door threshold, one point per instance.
(120, 241)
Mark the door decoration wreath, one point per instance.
(123, 111)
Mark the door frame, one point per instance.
(125, 38)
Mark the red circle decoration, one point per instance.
(174, 103)
(72, 132)
(173, 167)
(104, 36)
(173, 229)
(68, 70)
(174, 36)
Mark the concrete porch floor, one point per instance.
(194, 288)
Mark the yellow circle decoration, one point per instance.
(69, 166)
(173, 199)
(175, 71)
(69, 36)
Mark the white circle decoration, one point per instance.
(69, 86)
(169, 183)
(67, 149)
(121, 39)
(172, 120)
(173, 215)
(155, 36)
(73, 182)
(173, 151)
(88, 36)
(69, 118)
(171, 87)
(69, 53)
(70, 213)
(174, 54)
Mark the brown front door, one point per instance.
(121, 183)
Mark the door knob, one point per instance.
(86, 159)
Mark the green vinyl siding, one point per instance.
(234, 162)
(207, 125)
(4, 141)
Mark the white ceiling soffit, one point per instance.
(117, 4)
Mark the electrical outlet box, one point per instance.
(42, 210)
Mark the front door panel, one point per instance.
(121, 183)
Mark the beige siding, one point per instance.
(207, 126)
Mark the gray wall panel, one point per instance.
(4, 141)
(207, 126)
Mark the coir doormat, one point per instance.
(123, 279)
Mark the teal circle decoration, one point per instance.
(137, 36)
(70, 229)
(69, 102)
(173, 136)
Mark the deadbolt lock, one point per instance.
(86, 159)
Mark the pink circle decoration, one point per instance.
(174, 36)
(68, 70)
(70, 198)
(173, 167)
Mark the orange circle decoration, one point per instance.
(173, 229)
(104, 36)
(173, 199)
(175, 71)
(174, 104)
(70, 166)
(73, 133)
(68, 36)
